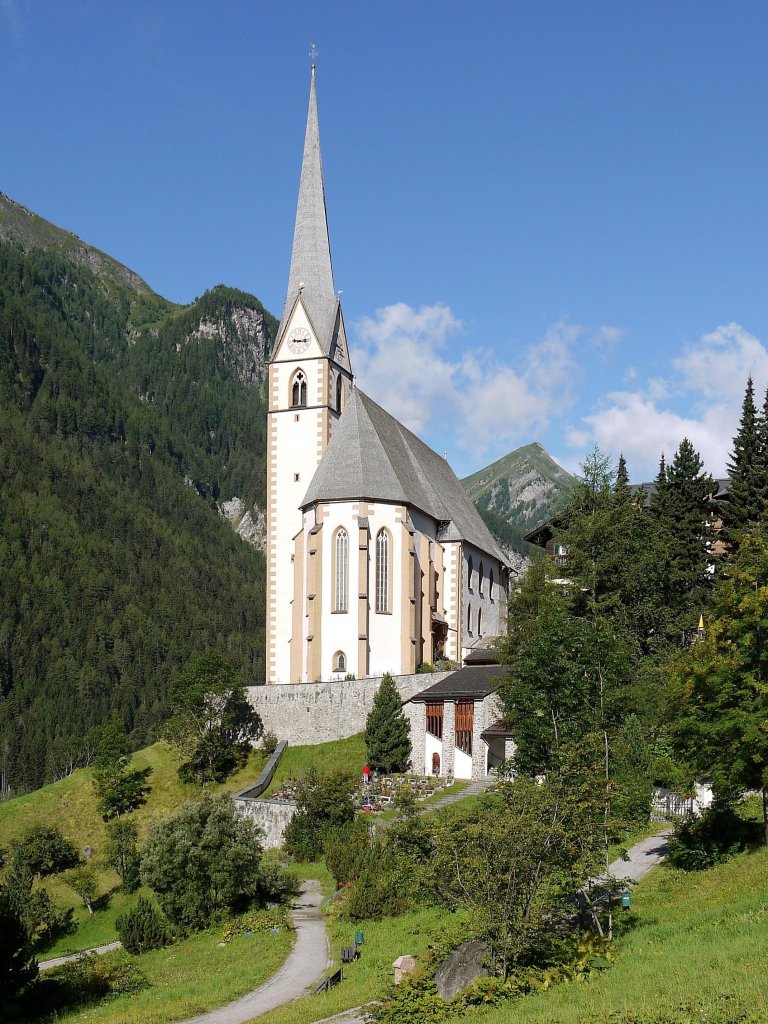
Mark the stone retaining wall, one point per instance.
(272, 817)
(319, 712)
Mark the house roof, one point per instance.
(474, 682)
(311, 273)
(499, 728)
(371, 456)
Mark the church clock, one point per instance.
(298, 340)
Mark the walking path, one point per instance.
(57, 961)
(641, 857)
(306, 963)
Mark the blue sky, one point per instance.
(548, 221)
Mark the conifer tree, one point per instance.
(746, 470)
(387, 733)
(622, 476)
(684, 509)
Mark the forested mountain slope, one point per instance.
(123, 418)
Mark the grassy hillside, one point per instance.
(71, 803)
(694, 951)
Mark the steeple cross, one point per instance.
(313, 54)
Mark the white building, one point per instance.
(377, 560)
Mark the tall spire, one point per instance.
(311, 270)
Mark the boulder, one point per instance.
(461, 968)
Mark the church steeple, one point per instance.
(311, 273)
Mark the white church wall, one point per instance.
(480, 597)
(385, 628)
(451, 587)
(462, 764)
(432, 746)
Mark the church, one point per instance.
(377, 560)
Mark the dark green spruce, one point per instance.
(387, 734)
(745, 502)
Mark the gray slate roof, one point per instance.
(473, 682)
(372, 456)
(311, 255)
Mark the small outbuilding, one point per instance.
(457, 725)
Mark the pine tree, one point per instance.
(689, 580)
(387, 733)
(622, 476)
(746, 471)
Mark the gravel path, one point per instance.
(642, 857)
(305, 965)
(59, 960)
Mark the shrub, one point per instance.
(323, 802)
(202, 861)
(43, 920)
(143, 927)
(259, 921)
(269, 743)
(45, 851)
(348, 850)
(90, 978)
(274, 884)
(719, 832)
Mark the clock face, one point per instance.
(298, 340)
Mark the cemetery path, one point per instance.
(304, 966)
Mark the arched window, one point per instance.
(341, 573)
(299, 389)
(339, 393)
(469, 619)
(382, 571)
(480, 583)
(339, 662)
(479, 621)
(470, 570)
(490, 585)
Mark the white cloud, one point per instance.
(478, 402)
(643, 423)
(718, 366)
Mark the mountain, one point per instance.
(129, 429)
(517, 493)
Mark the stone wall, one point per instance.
(272, 817)
(319, 712)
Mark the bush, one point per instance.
(269, 743)
(45, 851)
(274, 884)
(143, 927)
(348, 850)
(719, 832)
(323, 803)
(43, 920)
(202, 861)
(90, 978)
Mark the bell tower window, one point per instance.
(339, 393)
(299, 390)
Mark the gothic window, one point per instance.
(470, 570)
(490, 585)
(479, 621)
(382, 571)
(469, 619)
(339, 392)
(341, 572)
(480, 582)
(299, 389)
(339, 662)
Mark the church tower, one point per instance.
(309, 379)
